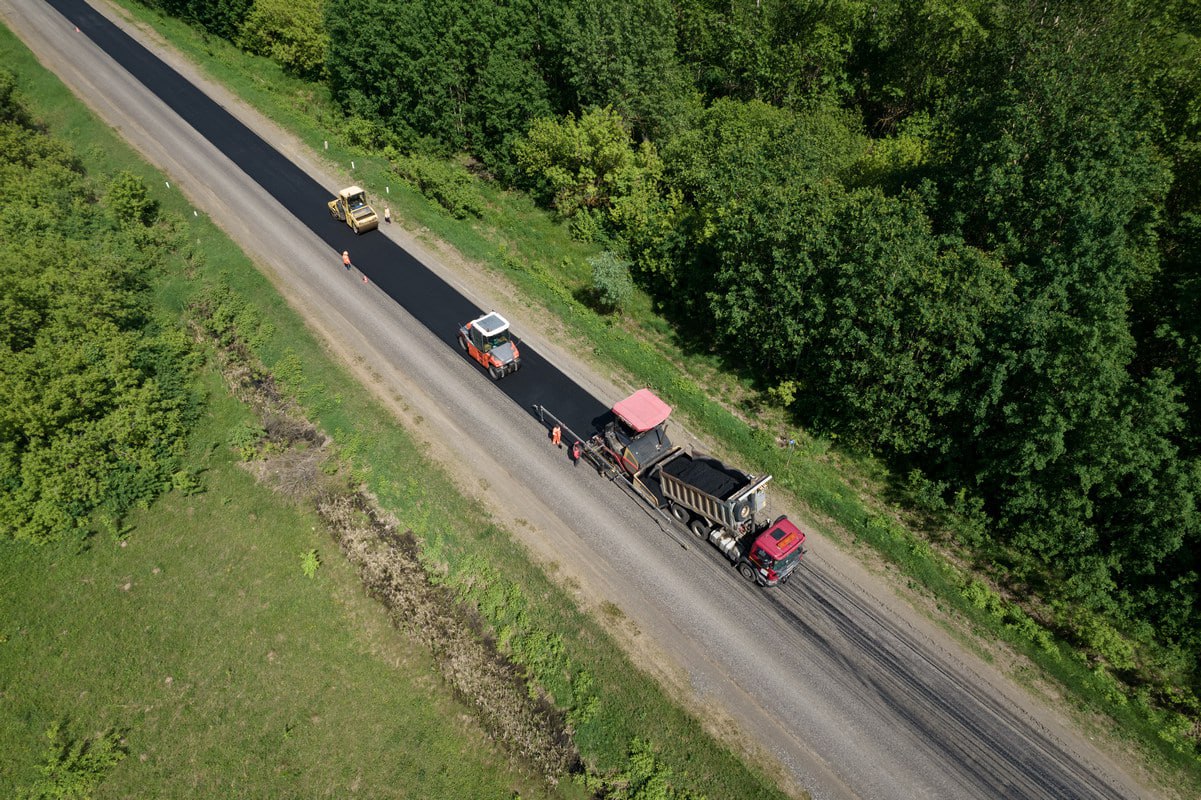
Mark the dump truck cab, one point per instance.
(489, 341)
(351, 207)
(636, 437)
(775, 553)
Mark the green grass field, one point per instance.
(228, 672)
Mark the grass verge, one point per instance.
(226, 670)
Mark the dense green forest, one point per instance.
(96, 400)
(963, 235)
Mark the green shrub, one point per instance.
(924, 494)
(289, 372)
(587, 225)
(290, 33)
(96, 404)
(186, 482)
(985, 599)
(131, 204)
(11, 109)
(247, 439)
(365, 133)
(1106, 685)
(644, 777)
(783, 394)
(1176, 729)
(584, 703)
(310, 563)
(446, 183)
(1100, 638)
(611, 280)
(72, 770)
(228, 318)
(1025, 627)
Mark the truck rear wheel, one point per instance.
(699, 527)
(680, 513)
(748, 572)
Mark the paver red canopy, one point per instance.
(642, 410)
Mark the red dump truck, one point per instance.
(716, 502)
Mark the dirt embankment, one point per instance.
(294, 458)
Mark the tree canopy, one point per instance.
(94, 406)
(962, 233)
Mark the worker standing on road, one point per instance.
(346, 259)
(575, 452)
(556, 435)
(387, 215)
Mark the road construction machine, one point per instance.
(351, 207)
(716, 502)
(488, 341)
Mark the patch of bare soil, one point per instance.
(294, 459)
(480, 675)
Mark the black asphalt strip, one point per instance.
(422, 293)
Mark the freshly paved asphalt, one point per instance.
(422, 293)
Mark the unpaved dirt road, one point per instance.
(834, 678)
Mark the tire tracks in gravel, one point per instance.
(900, 652)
